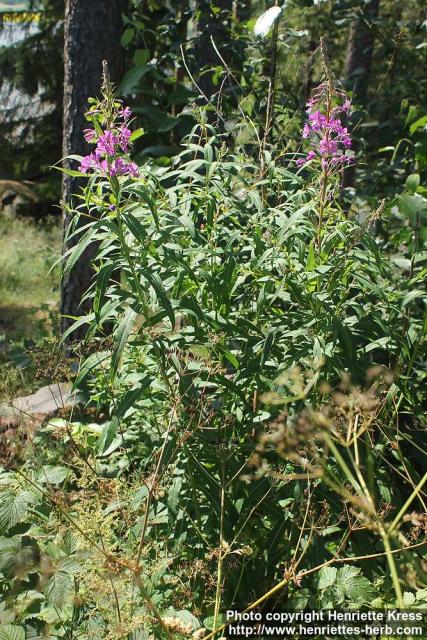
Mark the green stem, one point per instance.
(220, 560)
(392, 567)
(127, 254)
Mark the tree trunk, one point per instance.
(360, 49)
(358, 63)
(92, 34)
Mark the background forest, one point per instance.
(217, 245)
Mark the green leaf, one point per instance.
(418, 124)
(93, 361)
(413, 295)
(173, 495)
(76, 252)
(13, 508)
(186, 617)
(181, 95)
(131, 81)
(413, 182)
(135, 226)
(11, 632)
(209, 622)
(108, 434)
(162, 297)
(127, 37)
(231, 358)
(354, 586)
(311, 258)
(327, 577)
(136, 134)
(18, 558)
(71, 172)
(52, 475)
(141, 57)
(413, 206)
(121, 336)
(149, 200)
(103, 279)
(267, 348)
(59, 588)
(78, 323)
(421, 597)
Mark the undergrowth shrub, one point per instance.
(262, 422)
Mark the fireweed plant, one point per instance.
(330, 140)
(253, 389)
(111, 134)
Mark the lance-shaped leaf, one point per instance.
(121, 337)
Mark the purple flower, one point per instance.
(120, 167)
(88, 162)
(342, 159)
(123, 138)
(125, 113)
(133, 169)
(335, 125)
(328, 147)
(346, 139)
(114, 141)
(103, 166)
(306, 131)
(317, 120)
(89, 135)
(346, 105)
(329, 137)
(302, 161)
(107, 143)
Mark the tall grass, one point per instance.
(29, 296)
(28, 289)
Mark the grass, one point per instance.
(29, 296)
